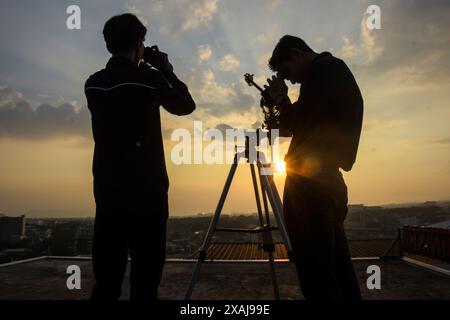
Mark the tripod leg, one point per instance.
(212, 227)
(255, 188)
(266, 206)
(274, 198)
(266, 239)
(276, 290)
(277, 206)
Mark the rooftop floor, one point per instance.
(46, 279)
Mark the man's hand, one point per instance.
(158, 59)
(277, 87)
(165, 65)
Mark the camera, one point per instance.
(152, 54)
(157, 59)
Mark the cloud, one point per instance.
(204, 53)
(383, 122)
(272, 4)
(270, 36)
(157, 6)
(371, 46)
(263, 59)
(442, 141)
(7, 95)
(179, 16)
(223, 128)
(198, 13)
(211, 91)
(216, 99)
(366, 51)
(409, 54)
(256, 125)
(133, 9)
(229, 63)
(409, 78)
(243, 118)
(18, 118)
(348, 50)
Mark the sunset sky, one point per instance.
(403, 71)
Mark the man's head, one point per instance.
(124, 35)
(291, 58)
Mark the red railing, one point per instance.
(431, 242)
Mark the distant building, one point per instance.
(355, 207)
(374, 208)
(441, 225)
(12, 229)
(411, 221)
(83, 238)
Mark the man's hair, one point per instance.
(283, 50)
(122, 31)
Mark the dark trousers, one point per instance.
(314, 214)
(129, 225)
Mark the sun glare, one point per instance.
(280, 167)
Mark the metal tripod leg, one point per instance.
(255, 187)
(276, 204)
(261, 222)
(203, 249)
(268, 189)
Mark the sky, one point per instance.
(403, 70)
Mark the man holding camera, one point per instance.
(130, 177)
(325, 125)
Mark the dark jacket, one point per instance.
(325, 122)
(124, 101)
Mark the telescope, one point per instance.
(268, 107)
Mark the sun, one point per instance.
(280, 167)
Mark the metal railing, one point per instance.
(430, 242)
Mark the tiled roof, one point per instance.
(251, 250)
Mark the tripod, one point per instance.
(268, 192)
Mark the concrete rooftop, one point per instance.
(46, 279)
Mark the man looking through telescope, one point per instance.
(325, 125)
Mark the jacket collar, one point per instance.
(119, 62)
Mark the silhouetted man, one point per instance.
(130, 178)
(325, 125)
